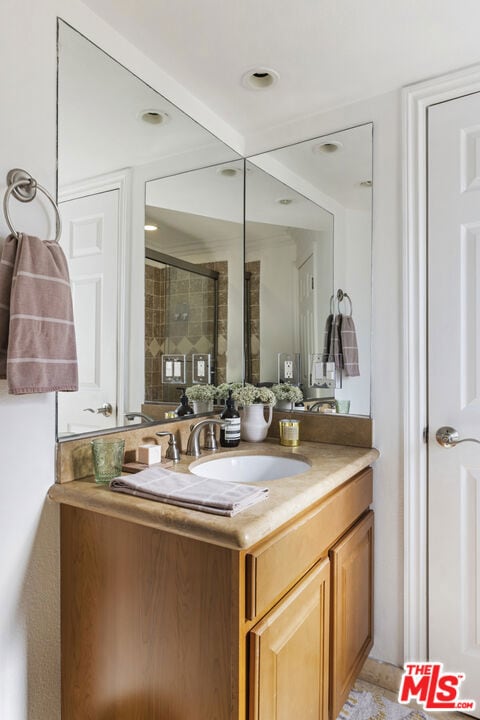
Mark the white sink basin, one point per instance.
(250, 468)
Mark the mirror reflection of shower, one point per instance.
(181, 318)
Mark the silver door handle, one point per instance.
(106, 410)
(448, 437)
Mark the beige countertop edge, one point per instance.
(332, 465)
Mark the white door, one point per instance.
(454, 388)
(307, 315)
(90, 242)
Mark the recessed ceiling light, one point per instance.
(228, 171)
(150, 228)
(259, 78)
(152, 116)
(327, 147)
(284, 201)
(366, 183)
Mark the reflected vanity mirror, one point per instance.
(308, 236)
(194, 280)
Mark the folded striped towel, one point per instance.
(349, 346)
(37, 333)
(190, 491)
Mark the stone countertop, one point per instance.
(331, 466)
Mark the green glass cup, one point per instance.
(342, 406)
(107, 459)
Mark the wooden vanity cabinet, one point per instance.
(161, 626)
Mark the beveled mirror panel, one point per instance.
(194, 266)
(308, 235)
(114, 133)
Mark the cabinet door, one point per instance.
(352, 609)
(289, 653)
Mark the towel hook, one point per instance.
(342, 296)
(24, 188)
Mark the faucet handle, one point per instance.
(210, 437)
(173, 452)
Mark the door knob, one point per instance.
(448, 437)
(106, 410)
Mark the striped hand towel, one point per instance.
(335, 354)
(349, 346)
(37, 333)
(189, 491)
(327, 337)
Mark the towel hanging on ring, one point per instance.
(37, 333)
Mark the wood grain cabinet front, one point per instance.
(352, 608)
(289, 653)
(158, 625)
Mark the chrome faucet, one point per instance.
(193, 444)
(323, 401)
(133, 415)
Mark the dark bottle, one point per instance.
(184, 408)
(230, 435)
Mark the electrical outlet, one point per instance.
(288, 370)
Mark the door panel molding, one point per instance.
(416, 100)
(122, 182)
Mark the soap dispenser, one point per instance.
(184, 408)
(230, 434)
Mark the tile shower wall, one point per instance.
(253, 301)
(179, 318)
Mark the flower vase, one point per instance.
(202, 406)
(254, 427)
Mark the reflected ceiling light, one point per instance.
(259, 78)
(152, 116)
(150, 228)
(366, 183)
(284, 201)
(229, 171)
(328, 147)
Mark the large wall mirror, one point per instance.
(115, 133)
(155, 213)
(308, 236)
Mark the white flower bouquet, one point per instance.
(251, 395)
(200, 392)
(223, 388)
(285, 391)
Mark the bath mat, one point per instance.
(361, 705)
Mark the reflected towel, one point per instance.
(349, 346)
(327, 337)
(335, 352)
(190, 491)
(37, 334)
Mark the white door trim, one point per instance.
(121, 181)
(415, 101)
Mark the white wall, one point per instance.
(29, 621)
(29, 568)
(387, 375)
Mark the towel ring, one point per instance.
(24, 188)
(342, 296)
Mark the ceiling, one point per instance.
(328, 53)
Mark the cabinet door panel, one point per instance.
(289, 653)
(352, 608)
(275, 566)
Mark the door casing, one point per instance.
(415, 102)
